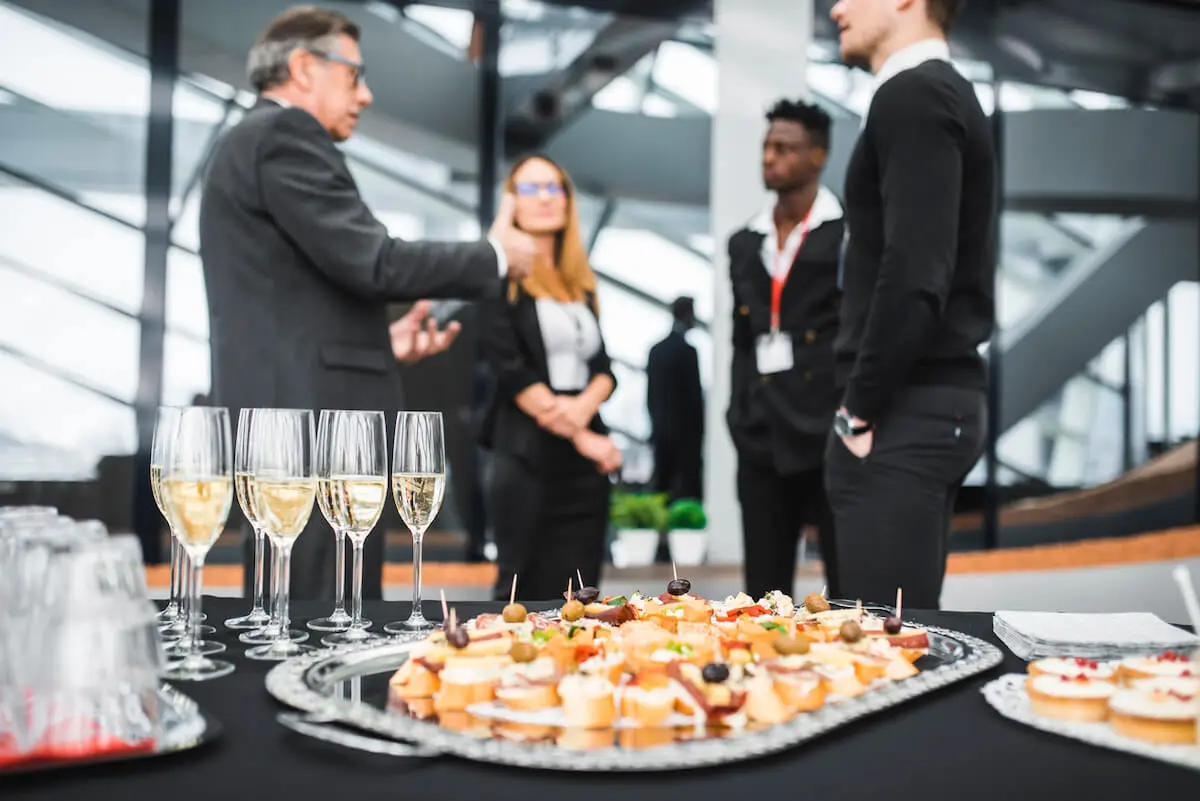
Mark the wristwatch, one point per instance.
(843, 425)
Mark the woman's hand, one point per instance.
(600, 450)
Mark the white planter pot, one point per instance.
(688, 546)
(634, 547)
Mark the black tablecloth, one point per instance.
(948, 745)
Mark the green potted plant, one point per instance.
(688, 531)
(639, 518)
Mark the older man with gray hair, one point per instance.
(299, 271)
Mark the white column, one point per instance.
(762, 55)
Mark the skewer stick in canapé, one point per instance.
(572, 610)
(514, 612)
(893, 623)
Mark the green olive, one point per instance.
(513, 613)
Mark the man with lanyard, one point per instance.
(783, 267)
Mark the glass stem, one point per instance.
(258, 571)
(185, 600)
(416, 613)
(356, 597)
(194, 589)
(339, 585)
(285, 581)
(274, 622)
(173, 603)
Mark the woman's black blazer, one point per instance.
(511, 342)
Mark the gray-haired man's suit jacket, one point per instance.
(299, 274)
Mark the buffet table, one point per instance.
(950, 745)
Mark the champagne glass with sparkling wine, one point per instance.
(163, 427)
(243, 485)
(285, 484)
(418, 486)
(197, 488)
(351, 491)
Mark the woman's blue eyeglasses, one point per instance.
(532, 188)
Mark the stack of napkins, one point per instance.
(1040, 635)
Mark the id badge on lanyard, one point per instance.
(773, 351)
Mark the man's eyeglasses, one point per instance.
(357, 67)
(532, 188)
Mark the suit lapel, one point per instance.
(531, 332)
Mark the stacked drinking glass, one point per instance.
(80, 650)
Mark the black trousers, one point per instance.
(775, 509)
(893, 508)
(549, 520)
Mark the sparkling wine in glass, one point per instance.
(281, 446)
(351, 492)
(243, 481)
(418, 486)
(197, 490)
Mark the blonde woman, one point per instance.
(549, 487)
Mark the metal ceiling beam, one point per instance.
(566, 94)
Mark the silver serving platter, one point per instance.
(183, 727)
(313, 683)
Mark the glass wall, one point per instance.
(73, 206)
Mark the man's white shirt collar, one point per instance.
(906, 58)
(825, 208)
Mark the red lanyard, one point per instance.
(783, 268)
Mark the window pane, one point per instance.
(38, 408)
(79, 123)
(686, 71)
(630, 324)
(187, 300)
(83, 339)
(186, 370)
(99, 258)
(647, 261)
(626, 409)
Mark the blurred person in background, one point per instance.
(299, 272)
(676, 402)
(784, 269)
(552, 456)
(919, 283)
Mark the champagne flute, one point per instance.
(243, 485)
(351, 491)
(285, 484)
(338, 620)
(197, 487)
(168, 416)
(418, 486)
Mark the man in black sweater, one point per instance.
(917, 277)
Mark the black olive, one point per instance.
(714, 673)
(893, 624)
(459, 638)
(679, 587)
(587, 595)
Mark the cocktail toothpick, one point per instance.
(445, 611)
(823, 590)
(453, 620)
(899, 599)
(1184, 579)
(512, 595)
(674, 572)
(579, 576)
(569, 589)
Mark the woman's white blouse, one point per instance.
(571, 337)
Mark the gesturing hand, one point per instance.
(415, 336)
(518, 246)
